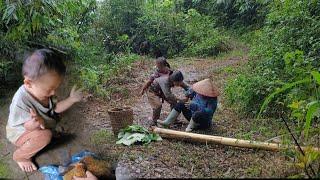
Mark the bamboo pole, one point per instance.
(168, 133)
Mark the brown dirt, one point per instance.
(167, 158)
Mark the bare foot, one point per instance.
(27, 166)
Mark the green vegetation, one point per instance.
(4, 170)
(136, 134)
(283, 78)
(101, 40)
(102, 137)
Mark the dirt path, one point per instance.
(175, 159)
(169, 158)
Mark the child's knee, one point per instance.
(46, 136)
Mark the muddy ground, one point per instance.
(89, 124)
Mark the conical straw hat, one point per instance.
(206, 88)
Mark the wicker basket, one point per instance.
(120, 118)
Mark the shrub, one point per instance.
(202, 38)
(286, 51)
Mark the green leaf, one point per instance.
(136, 133)
(278, 91)
(316, 76)
(313, 107)
(131, 139)
(135, 128)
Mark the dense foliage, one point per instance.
(100, 36)
(99, 39)
(286, 50)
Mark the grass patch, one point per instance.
(4, 170)
(104, 143)
(227, 55)
(253, 171)
(260, 129)
(102, 137)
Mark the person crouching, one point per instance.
(199, 112)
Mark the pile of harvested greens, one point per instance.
(136, 134)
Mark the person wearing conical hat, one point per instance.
(199, 112)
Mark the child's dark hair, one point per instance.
(41, 62)
(176, 76)
(163, 61)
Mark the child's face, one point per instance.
(45, 86)
(160, 66)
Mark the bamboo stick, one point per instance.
(168, 133)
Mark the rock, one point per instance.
(123, 173)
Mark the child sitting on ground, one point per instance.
(33, 111)
(204, 99)
(163, 69)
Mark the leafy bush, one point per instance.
(163, 26)
(248, 90)
(239, 14)
(286, 48)
(202, 38)
(98, 69)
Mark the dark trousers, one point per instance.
(200, 118)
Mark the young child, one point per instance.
(200, 110)
(33, 111)
(163, 69)
(160, 90)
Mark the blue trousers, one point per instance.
(201, 118)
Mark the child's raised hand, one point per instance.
(76, 95)
(36, 118)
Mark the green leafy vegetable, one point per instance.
(136, 134)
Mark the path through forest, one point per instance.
(89, 124)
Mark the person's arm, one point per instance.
(145, 86)
(166, 89)
(185, 86)
(190, 93)
(75, 96)
(35, 122)
(32, 125)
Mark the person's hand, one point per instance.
(90, 176)
(76, 95)
(36, 118)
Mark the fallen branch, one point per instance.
(168, 133)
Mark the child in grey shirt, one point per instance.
(33, 110)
